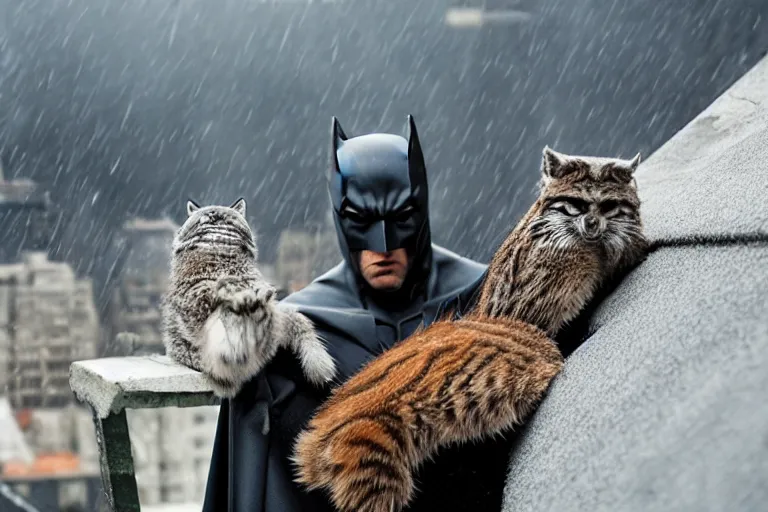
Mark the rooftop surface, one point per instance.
(663, 407)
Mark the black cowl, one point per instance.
(378, 188)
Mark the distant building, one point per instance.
(26, 218)
(48, 320)
(303, 255)
(49, 459)
(172, 453)
(13, 446)
(326, 254)
(135, 305)
(294, 258)
(268, 271)
(47, 314)
(62, 431)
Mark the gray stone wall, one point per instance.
(663, 407)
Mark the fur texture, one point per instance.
(584, 229)
(220, 316)
(462, 380)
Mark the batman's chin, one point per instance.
(385, 282)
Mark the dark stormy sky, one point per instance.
(128, 107)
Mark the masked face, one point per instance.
(378, 189)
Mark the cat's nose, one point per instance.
(590, 227)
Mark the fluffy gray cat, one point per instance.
(220, 316)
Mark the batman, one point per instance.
(379, 195)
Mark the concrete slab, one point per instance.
(711, 179)
(110, 385)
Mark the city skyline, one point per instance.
(49, 318)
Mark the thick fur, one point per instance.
(584, 229)
(220, 316)
(462, 380)
(453, 382)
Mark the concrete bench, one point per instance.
(112, 385)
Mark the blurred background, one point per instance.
(113, 113)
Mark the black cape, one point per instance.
(251, 471)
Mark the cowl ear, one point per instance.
(417, 168)
(239, 206)
(337, 139)
(553, 164)
(192, 207)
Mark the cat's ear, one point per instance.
(239, 206)
(192, 207)
(624, 170)
(553, 164)
(633, 164)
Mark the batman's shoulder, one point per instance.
(333, 289)
(455, 280)
(333, 305)
(332, 302)
(453, 274)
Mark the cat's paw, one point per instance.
(222, 386)
(264, 304)
(243, 298)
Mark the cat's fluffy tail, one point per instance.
(317, 364)
(367, 475)
(225, 357)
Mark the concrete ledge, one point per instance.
(709, 180)
(113, 384)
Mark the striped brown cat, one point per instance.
(460, 380)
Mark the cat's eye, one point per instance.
(567, 208)
(611, 208)
(608, 206)
(568, 205)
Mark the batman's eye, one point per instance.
(353, 214)
(404, 214)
